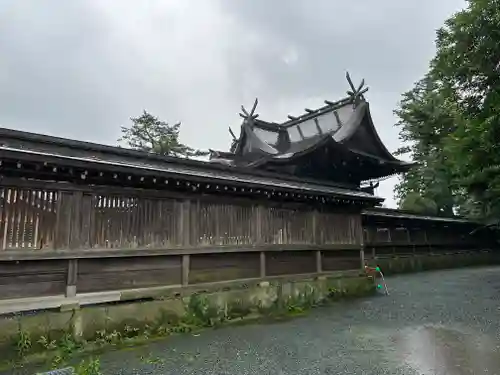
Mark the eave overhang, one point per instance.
(54, 159)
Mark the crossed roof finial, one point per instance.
(356, 94)
(251, 115)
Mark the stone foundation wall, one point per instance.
(211, 304)
(417, 263)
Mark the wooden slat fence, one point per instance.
(74, 241)
(35, 219)
(388, 238)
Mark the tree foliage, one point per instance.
(424, 121)
(150, 134)
(450, 120)
(416, 203)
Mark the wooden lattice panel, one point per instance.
(341, 228)
(222, 224)
(287, 226)
(128, 222)
(28, 218)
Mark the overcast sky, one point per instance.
(81, 68)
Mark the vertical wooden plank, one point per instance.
(148, 221)
(362, 256)
(75, 228)
(49, 227)
(2, 209)
(426, 240)
(5, 216)
(314, 226)
(14, 203)
(319, 265)
(262, 264)
(259, 221)
(185, 269)
(362, 234)
(23, 218)
(184, 224)
(86, 221)
(44, 216)
(72, 277)
(128, 202)
(187, 230)
(63, 220)
(36, 219)
(389, 238)
(94, 216)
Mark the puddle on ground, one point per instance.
(445, 350)
(442, 350)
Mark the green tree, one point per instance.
(425, 120)
(150, 134)
(450, 120)
(415, 203)
(467, 66)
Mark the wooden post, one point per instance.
(408, 235)
(389, 237)
(68, 228)
(314, 226)
(72, 278)
(258, 220)
(5, 215)
(184, 223)
(426, 241)
(262, 264)
(319, 265)
(185, 269)
(361, 236)
(362, 253)
(185, 235)
(75, 220)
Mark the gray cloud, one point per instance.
(81, 68)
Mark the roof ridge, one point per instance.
(329, 107)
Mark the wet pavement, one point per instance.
(443, 322)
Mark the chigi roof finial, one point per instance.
(356, 94)
(251, 115)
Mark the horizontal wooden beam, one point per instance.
(431, 254)
(22, 254)
(408, 244)
(220, 196)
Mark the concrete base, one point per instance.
(253, 299)
(418, 263)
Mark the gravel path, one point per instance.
(443, 322)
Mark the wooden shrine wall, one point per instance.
(389, 237)
(62, 239)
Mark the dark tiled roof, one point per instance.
(393, 213)
(23, 145)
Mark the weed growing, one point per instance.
(200, 313)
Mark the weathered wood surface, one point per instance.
(95, 275)
(340, 260)
(82, 219)
(222, 267)
(32, 278)
(389, 238)
(67, 240)
(288, 263)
